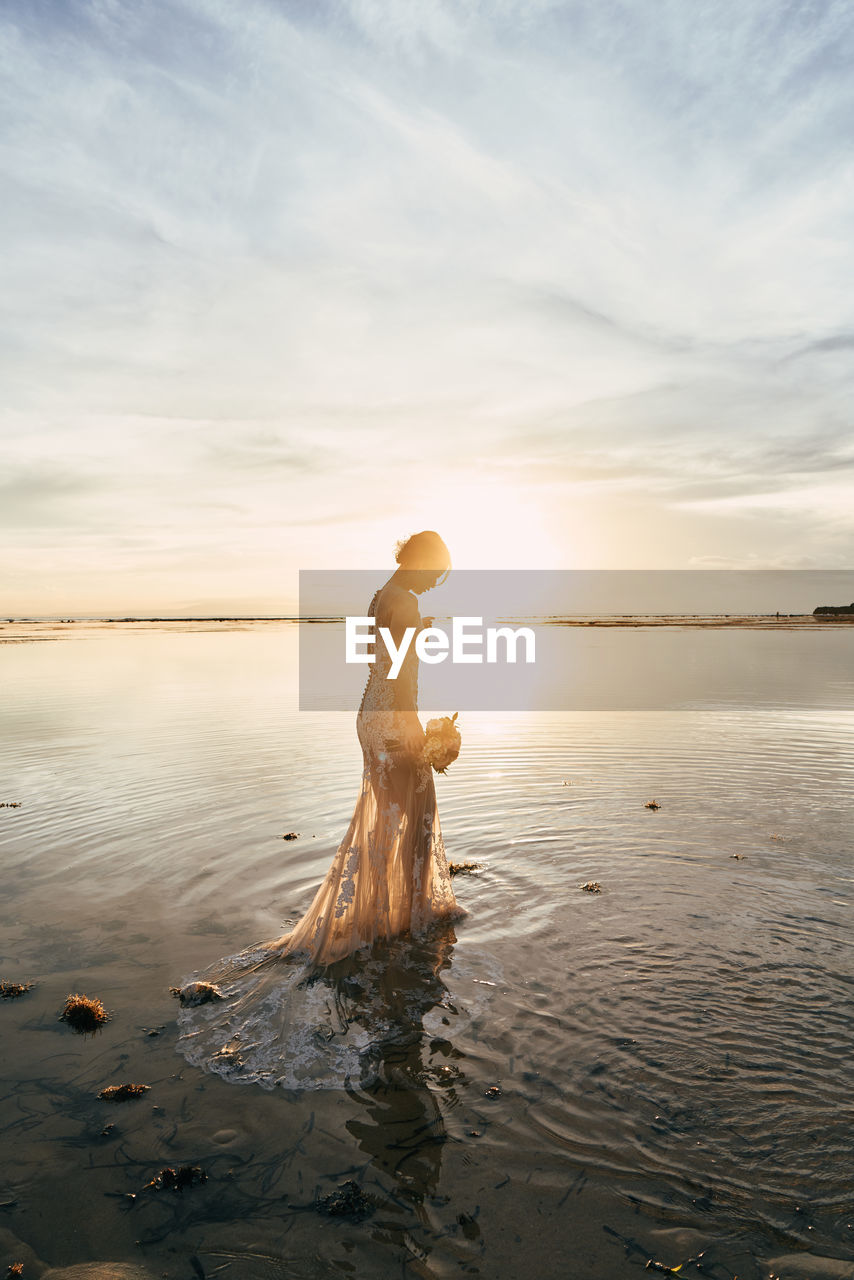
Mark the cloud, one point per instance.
(35, 494)
(260, 255)
(835, 342)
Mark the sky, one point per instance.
(286, 280)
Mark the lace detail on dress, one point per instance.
(348, 887)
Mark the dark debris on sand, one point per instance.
(14, 990)
(121, 1092)
(84, 1014)
(291, 835)
(346, 1201)
(169, 1179)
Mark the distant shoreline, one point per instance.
(763, 621)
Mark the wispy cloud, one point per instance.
(257, 255)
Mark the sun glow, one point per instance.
(491, 525)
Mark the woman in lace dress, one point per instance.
(390, 874)
(322, 1006)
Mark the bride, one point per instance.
(304, 1010)
(390, 874)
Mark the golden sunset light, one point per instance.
(426, 639)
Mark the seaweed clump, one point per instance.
(170, 1179)
(463, 868)
(14, 990)
(84, 1014)
(591, 886)
(347, 1201)
(121, 1092)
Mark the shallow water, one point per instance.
(593, 1079)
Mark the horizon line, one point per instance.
(6, 620)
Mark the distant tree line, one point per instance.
(834, 608)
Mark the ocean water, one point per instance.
(577, 1083)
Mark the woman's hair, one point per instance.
(424, 550)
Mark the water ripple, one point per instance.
(686, 1032)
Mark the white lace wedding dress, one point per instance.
(301, 1010)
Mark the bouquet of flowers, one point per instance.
(442, 742)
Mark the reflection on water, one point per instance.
(649, 1072)
(355, 1027)
(279, 1022)
(400, 1124)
